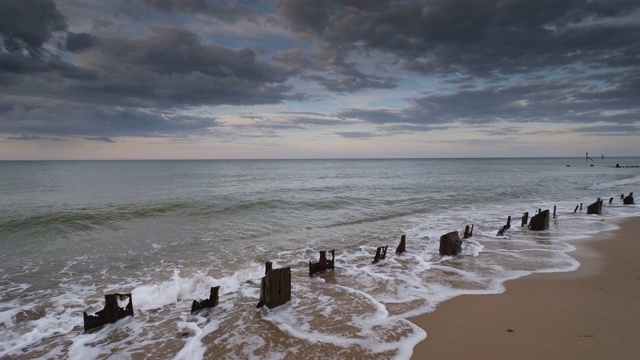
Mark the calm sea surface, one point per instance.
(166, 231)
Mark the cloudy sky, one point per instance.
(174, 79)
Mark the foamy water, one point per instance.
(168, 231)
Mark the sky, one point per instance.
(267, 79)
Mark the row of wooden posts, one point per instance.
(275, 287)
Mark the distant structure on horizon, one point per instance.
(588, 158)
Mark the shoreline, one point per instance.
(589, 313)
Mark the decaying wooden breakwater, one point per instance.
(275, 287)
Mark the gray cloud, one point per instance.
(122, 86)
(26, 137)
(357, 134)
(100, 138)
(610, 130)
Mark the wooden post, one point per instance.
(628, 200)
(381, 253)
(554, 211)
(525, 218)
(580, 206)
(610, 200)
(504, 228)
(402, 246)
(468, 231)
(323, 263)
(267, 267)
(540, 221)
(111, 312)
(596, 207)
(275, 288)
(576, 209)
(621, 196)
(212, 301)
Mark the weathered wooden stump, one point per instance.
(450, 244)
(540, 221)
(580, 206)
(212, 301)
(610, 200)
(402, 246)
(505, 227)
(381, 253)
(554, 212)
(595, 208)
(275, 288)
(323, 264)
(628, 200)
(468, 231)
(525, 218)
(111, 312)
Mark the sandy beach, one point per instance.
(591, 313)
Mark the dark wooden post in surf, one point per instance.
(621, 196)
(212, 301)
(595, 208)
(402, 246)
(576, 209)
(381, 253)
(525, 218)
(610, 200)
(323, 264)
(554, 212)
(540, 221)
(111, 313)
(468, 231)
(628, 200)
(505, 227)
(275, 287)
(580, 206)
(450, 244)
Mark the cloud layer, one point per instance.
(152, 68)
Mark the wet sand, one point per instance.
(591, 313)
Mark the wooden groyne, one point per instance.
(275, 286)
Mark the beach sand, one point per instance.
(591, 313)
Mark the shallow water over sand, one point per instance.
(166, 231)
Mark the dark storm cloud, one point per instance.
(81, 41)
(227, 11)
(27, 25)
(479, 37)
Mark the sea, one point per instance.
(168, 231)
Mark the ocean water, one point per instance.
(166, 231)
